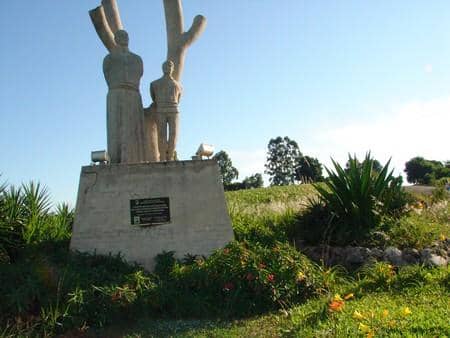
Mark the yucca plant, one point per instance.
(36, 204)
(358, 197)
(61, 222)
(11, 221)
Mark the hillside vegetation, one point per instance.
(259, 285)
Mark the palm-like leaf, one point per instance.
(358, 196)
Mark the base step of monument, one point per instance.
(140, 210)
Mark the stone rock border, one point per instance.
(355, 256)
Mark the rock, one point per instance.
(411, 256)
(431, 259)
(377, 253)
(356, 256)
(394, 256)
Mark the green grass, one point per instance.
(415, 303)
(421, 228)
(273, 199)
(43, 279)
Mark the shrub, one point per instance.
(242, 279)
(355, 201)
(420, 230)
(25, 218)
(56, 290)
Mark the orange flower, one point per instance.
(336, 305)
(226, 251)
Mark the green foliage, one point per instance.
(251, 182)
(265, 196)
(243, 278)
(25, 218)
(309, 170)
(422, 171)
(387, 303)
(283, 157)
(47, 290)
(419, 229)
(355, 200)
(11, 223)
(57, 290)
(227, 171)
(376, 166)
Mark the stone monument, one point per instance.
(123, 71)
(143, 201)
(165, 93)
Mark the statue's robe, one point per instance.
(125, 115)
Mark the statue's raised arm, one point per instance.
(106, 20)
(178, 40)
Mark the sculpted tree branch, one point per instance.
(178, 41)
(106, 20)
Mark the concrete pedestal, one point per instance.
(198, 220)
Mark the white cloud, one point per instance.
(416, 128)
(249, 162)
(428, 68)
(408, 130)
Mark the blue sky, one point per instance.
(336, 76)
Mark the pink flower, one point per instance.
(250, 276)
(271, 278)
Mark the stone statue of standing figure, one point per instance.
(123, 71)
(162, 118)
(134, 134)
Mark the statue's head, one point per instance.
(121, 38)
(168, 67)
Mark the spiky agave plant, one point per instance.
(358, 197)
(61, 222)
(36, 204)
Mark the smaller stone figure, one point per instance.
(165, 93)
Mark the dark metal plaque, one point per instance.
(150, 211)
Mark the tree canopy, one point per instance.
(422, 171)
(227, 171)
(309, 169)
(283, 157)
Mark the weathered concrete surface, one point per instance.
(199, 219)
(125, 114)
(163, 112)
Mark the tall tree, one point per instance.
(283, 157)
(227, 171)
(309, 170)
(376, 165)
(420, 170)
